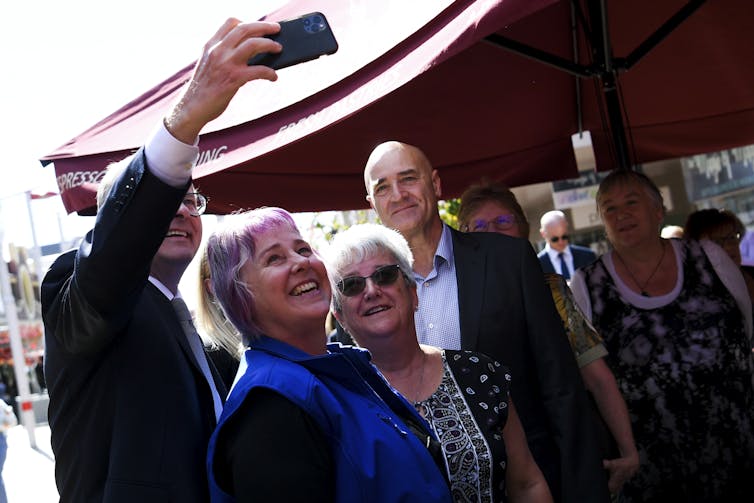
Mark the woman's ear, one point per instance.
(339, 317)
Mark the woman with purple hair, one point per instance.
(305, 421)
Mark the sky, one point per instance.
(67, 64)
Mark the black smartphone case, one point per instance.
(303, 39)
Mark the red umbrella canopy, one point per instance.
(426, 73)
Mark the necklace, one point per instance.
(417, 393)
(642, 288)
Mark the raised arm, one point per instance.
(89, 297)
(220, 72)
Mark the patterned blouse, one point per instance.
(685, 371)
(585, 342)
(468, 412)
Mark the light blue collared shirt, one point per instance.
(437, 320)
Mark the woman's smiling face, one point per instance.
(630, 215)
(379, 311)
(288, 281)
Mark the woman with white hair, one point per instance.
(462, 394)
(305, 421)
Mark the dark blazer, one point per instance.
(130, 412)
(507, 312)
(582, 256)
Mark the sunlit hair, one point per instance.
(479, 193)
(362, 242)
(551, 217)
(703, 223)
(112, 172)
(622, 177)
(210, 318)
(671, 231)
(228, 250)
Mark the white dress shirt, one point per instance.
(555, 259)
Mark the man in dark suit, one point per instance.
(133, 397)
(559, 256)
(485, 292)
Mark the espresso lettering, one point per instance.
(75, 179)
(211, 155)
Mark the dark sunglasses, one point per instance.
(555, 239)
(383, 276)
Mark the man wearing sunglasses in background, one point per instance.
(133, 396)
(485, 292)
(559, 256)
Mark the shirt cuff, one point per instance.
(591, 354)
(169, 159)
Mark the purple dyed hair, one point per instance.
(228, 250)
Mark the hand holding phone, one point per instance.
(304, 38)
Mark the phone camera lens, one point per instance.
(314, 24)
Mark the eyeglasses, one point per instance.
(499, 223)
(734, 238)
(555, 239)
(383, 276)
(195, 203)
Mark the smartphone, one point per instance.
(304, 38)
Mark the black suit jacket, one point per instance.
(582, 256)
(507, 312)
(130, 411)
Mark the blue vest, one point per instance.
(376, 457)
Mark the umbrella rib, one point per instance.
(539, 55)
(659, 35)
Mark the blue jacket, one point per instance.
(377, 458)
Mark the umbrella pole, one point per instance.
(615, 121)
(575, 47)
(607, 77)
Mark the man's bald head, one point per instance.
(554, 228)
(396, 152)
(403, 188)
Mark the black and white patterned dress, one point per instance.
(468, 412)
(685, 371)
